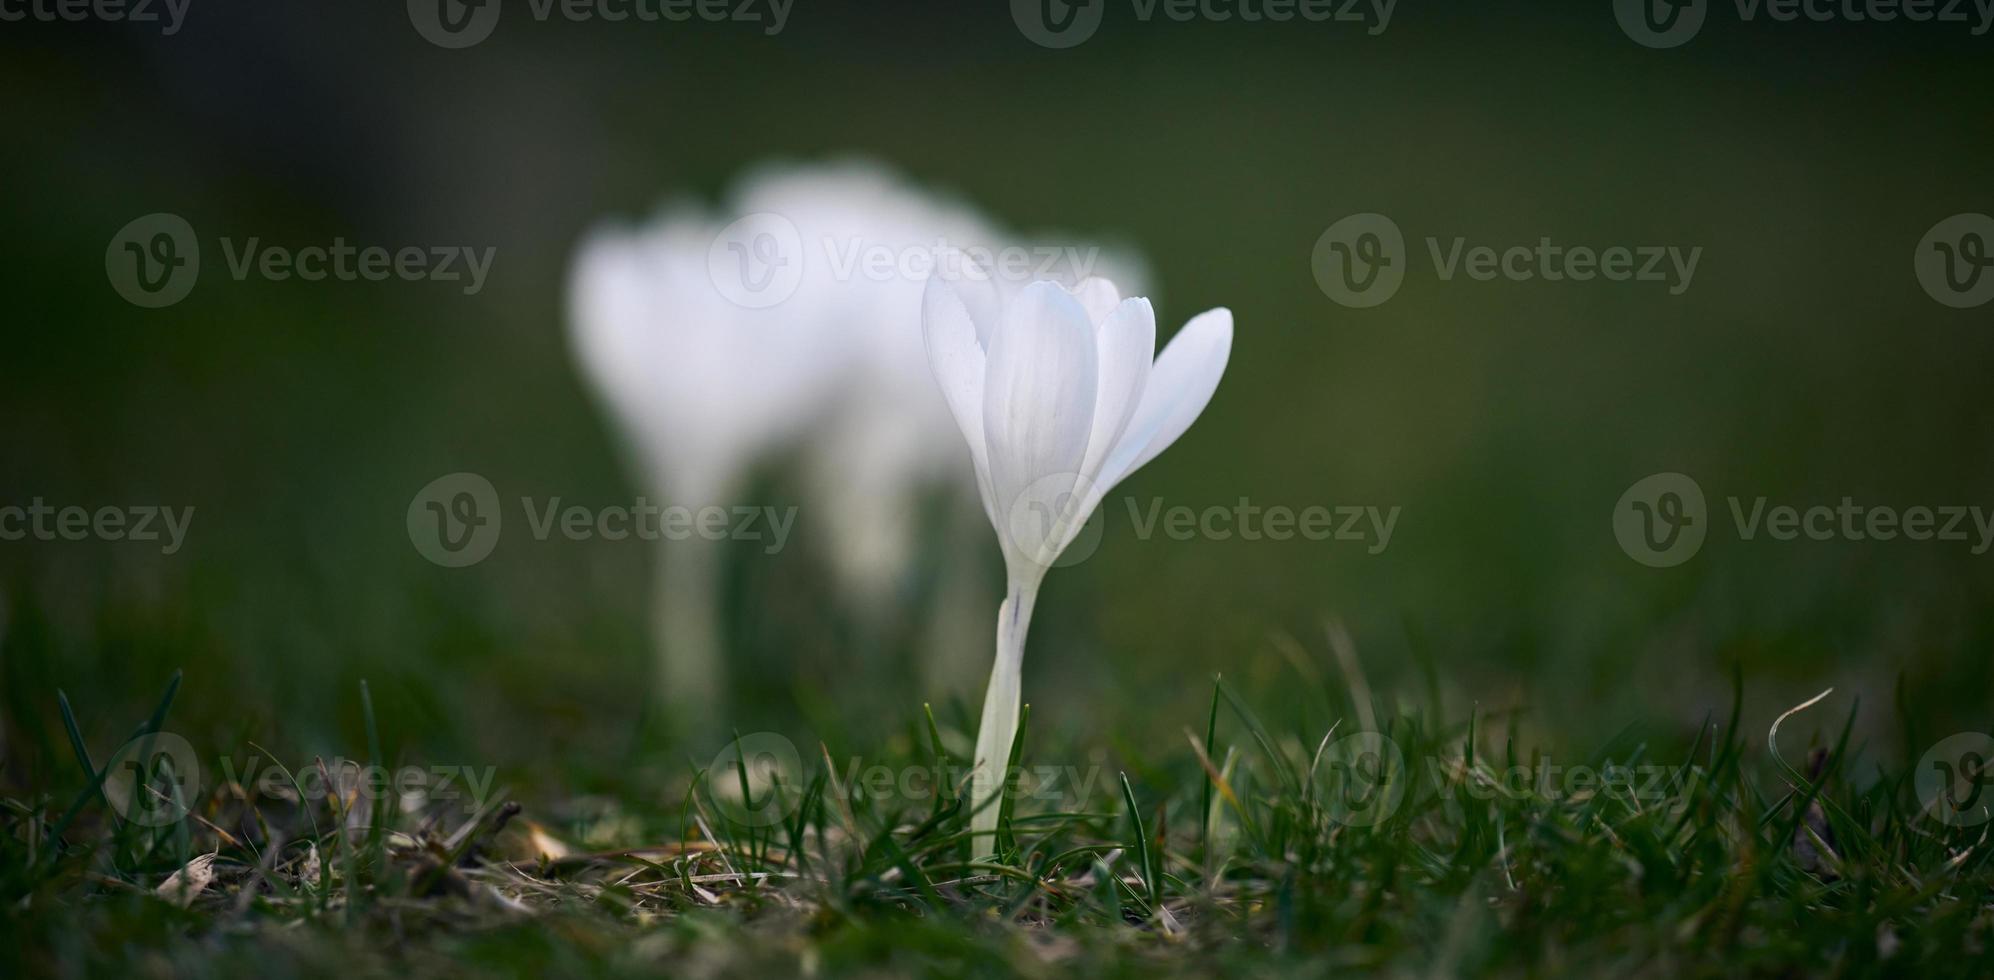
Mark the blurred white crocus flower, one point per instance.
(1061, 396)
(705, 388)
(712, 370)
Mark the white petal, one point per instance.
(1126, 342)
(1038, 412)
(1099, 296)
(975, 287)
(1180, 385)
(958, 362)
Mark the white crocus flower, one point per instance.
(706, 391)
(1061, 396)
(704, 388)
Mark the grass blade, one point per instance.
(1142, 845)
(96, 787)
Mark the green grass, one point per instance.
(1239, 850)
(1505, 417)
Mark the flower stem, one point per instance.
(1000, 713)
(691, 676)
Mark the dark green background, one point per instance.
(1805, 364)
